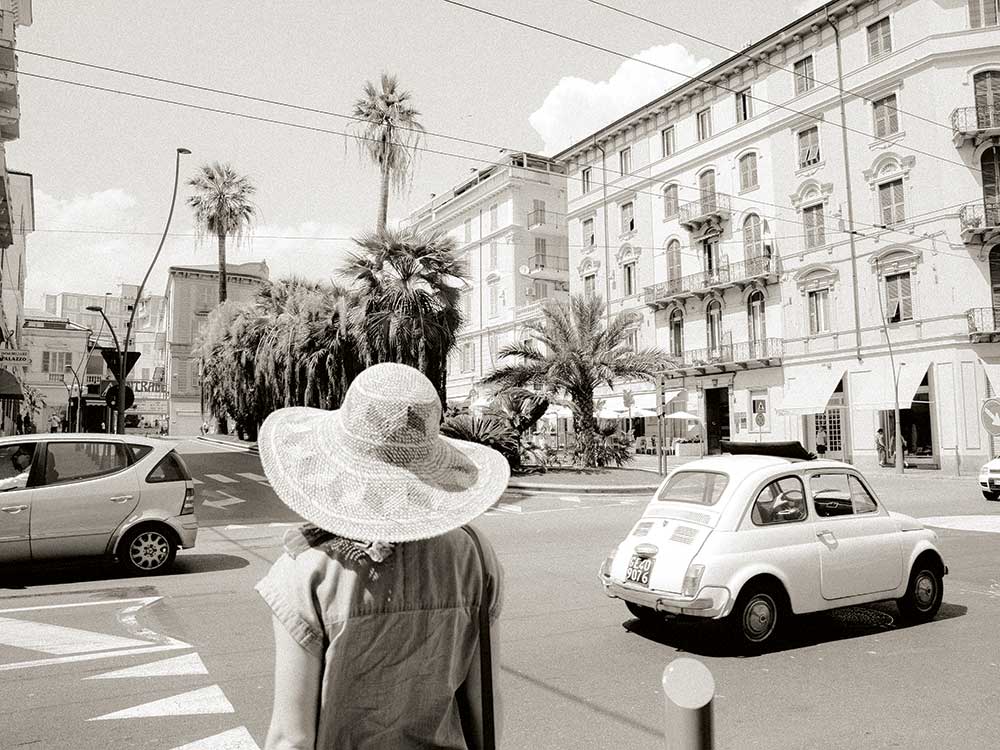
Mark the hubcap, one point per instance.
(149, 550)
(759, 617)
(925, 590)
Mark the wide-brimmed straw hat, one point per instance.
(377, 469)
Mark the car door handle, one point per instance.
(12, 509)
(826, 536)
(120, 498)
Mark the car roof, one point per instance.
(737, 467)
(55, 437)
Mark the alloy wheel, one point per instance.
(149, 550)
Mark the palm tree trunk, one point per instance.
(222, 268)
(383, 200)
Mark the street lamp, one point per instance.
(123, 351)
(79, 397)
(114, 337)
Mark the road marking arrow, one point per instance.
(226, 500)
(994, 417)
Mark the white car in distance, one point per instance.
(989, 479)
(754, 539)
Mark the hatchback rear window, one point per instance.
(698, 487)
(170, 469)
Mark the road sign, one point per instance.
(990, 415)
(113, 360)
(111, 397)
(760, 419)
(14, 357)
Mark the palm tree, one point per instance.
(407, 288)
(222, 207)
(387, 129)
(578, 354)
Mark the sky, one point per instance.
(103, 162)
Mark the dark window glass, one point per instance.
(15, 465)
(139, 452)
(782, 501)
(700, 487)
(170, 469)
(831, 495)
(71, 462)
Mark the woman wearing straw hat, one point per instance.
(385, 603)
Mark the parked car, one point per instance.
(989, 479)
(753, 539)
(82, 495)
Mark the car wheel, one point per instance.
(923, 596)
(148, 549)
(758, 616)
(991, 496)
(645, 614)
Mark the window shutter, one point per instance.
(873, 41)
(813, 321)
(69, 359)
(892, 298)
(45, 361)
(892, 114)
(976, 13)
(886, 41)
(905, 298)
(818, 226)
(885, 202)
(881, 126)
(989, 12)
(897, 202)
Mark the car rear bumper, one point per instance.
(711, 601)
(187, 529)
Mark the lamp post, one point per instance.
(79, 398)
(114, 337)
(123, 351)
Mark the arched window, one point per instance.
(753, 242)
(677, 332)
(990, 166)
(987, 87)
(748, 171)
(706, 187)
(670, 202)
(673, 264)
(755, 319)
(713, 316)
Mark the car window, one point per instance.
(782, 501)
(861, 498)
(831, 495)
(168, 470)
(15, 465)
(139, 452)
(699, 487)
(73, 461)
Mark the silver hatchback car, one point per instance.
(84, 495)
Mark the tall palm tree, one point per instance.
(408, 288)
(388, 130)
(572, 351)
(222, 206)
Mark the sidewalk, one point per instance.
(231, 441)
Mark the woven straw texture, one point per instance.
(377, 469)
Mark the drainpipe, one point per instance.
(847, 178)
(607, 256)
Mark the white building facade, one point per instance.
(509, 223)
(807, 218)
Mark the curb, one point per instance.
(576, 489)
(249, 447)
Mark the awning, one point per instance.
(993, 375)
(808, 388)
(874, 388)
(10, 389)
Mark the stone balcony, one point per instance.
(743, 355)
(980, 222)
(738, 275)
(975, 124)
(984, 325)
(709, 211)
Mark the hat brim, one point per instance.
(372, 498)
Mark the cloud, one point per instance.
(806, 6)
(576, 107)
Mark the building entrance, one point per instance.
(716, 418)
(916, 428)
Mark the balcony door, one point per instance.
(713, 315)
(995, 287)
(987, 85)
(755, 323)
(706, 187)
(990, 166)
(710, 259)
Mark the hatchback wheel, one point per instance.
(757, 616)
(923, 596)
(645, 614)
(991, 496)
(147, 550)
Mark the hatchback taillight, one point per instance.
(188, 506)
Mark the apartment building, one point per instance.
(508, 221)
(809, 227)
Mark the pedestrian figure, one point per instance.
(376, 601)
(821, 441)
(204, 428)
(54, 423)
(880, 447)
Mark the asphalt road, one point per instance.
(576, 668)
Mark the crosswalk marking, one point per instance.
(197, 481)
(178, 665)
(508, 508)
(226, 500)
(252, 477)
(570, 498)
(58, 640)
(234, 739)
(210, 700)
(221, 478)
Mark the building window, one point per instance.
(671, 206)
(879, 39)
(819, 311)
(468, 356)
(628, 279)
(467, 306)
(886, 116)
(713, 316)
(493, 255)
(589, 285)
(748, 171)
(890, 199)
(537, 215)
(625, 161)
(667, 140)
(982, 13)
(755, 318)
(494, 300)
(673, 262)
(632, 340)
(585, 179)
(804, 75)
(898, 297)
(494, 216)
(467, 230)
(710, 257)
(753, 243)
(705, 124)
(589, 239)
(677, 333)
(628, 217)
(56, 362)
(744, 105)
(808, 147)
(540, 252)
(540, 289)
(812, 221)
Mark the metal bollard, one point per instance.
(689, 688)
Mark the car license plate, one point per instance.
(639, 569)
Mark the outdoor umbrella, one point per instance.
(683, 415)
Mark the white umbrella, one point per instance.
(558, 410)
(683, 415)
(639, 412)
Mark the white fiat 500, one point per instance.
(753, 539)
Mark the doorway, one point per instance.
(916, 428)
(834, 422)
(716, 418)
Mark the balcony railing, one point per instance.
(730, 274)
(56, 377)
(980, 221)
(984, 324)
(975, 123)
(557, 263)
(731, 356)
(92, 379)
(711, 208)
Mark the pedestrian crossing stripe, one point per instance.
(221, 478)
(234, 739)
(252, 477)
(210, 700)
(57, 640)
(179, 665)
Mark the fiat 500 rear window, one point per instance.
(698, 487)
